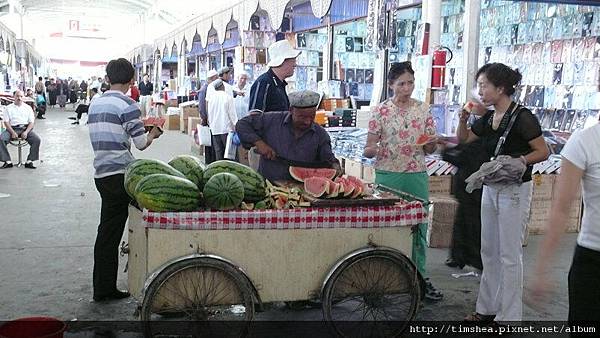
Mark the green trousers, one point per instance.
(416, 184)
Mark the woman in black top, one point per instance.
(504, 207)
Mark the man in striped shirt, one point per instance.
(114, 120)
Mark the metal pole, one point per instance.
(470, 47)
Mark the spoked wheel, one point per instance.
(373, 294)
(198, 297)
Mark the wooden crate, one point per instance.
(186, 112)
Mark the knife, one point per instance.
(303, 164)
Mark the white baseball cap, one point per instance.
(211, 73)
(279, 51)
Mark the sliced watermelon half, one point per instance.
(358, 184)
(300, 174)
(316, 186)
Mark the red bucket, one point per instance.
(33, 327)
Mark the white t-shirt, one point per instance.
(242, 102)
(17, 115)
(221, 113)
(583, 150)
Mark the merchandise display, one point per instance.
(352, 63)
(555, 47)
(309, 69)
(254, 46)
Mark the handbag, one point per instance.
(231, 146)
(204, 135)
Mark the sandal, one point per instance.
(478, 317)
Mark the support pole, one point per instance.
(470, 47)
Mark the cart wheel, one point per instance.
(375, 293)
(191, 292)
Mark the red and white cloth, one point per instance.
(406, 214)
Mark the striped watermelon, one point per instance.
(141, 168)
(255, 188)
(191, 167)
(161, 192)
(223, 191)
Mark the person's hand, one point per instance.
(370, 152)
(339, 171)
(14, 135)
(155, 132)
(538, 292)
(432, 140)
(24, 135)
(464, 115)
(265, 150)
(240, 93)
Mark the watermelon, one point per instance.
(162, 192)
(423, 139)
(260, 205)
(150, 122)
(255, 188)
(316, 186)
(223, 191)
(333, 189)
(300, 174)
(359, 187)
(141, 168)
(347, 186)
(191, 167)
(468, 106)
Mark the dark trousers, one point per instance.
(113, 217)
(218, 145)
(584, 294)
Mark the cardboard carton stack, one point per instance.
(541, 204)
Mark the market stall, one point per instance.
(201, 256)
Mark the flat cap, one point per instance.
(211, 73)
(217, 83)
(224, 70)
(304, 99)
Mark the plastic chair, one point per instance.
(19, 143)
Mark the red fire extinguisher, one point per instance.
(438, 72)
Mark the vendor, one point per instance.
(292, 135)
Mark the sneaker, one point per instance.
(29, 165)
(431, 293)
(76, 122)
(6, 165)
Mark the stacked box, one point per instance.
(171, 122)
(441, 221)
(186, 112)
(440, 185)
(353, 168)
(541, 204)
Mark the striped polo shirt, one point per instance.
(113, 121)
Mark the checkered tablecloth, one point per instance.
(301, 218)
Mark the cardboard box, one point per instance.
(368, 174)
(171, 103)
(186, 112)
(539, 216)
(543, 187)
(353, 168)
(440, 185)
(192, 124)
(171, 122)
(441, 221)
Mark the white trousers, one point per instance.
(145, 104)
(504, 217)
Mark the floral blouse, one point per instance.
(398, 130)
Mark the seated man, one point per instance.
(19, 120)
(292, 135)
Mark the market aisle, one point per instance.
(48, 227)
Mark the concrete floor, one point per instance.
(48, 226)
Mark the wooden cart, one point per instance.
(224, 265)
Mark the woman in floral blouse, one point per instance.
(395, 127)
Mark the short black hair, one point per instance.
(119, 71)
(397, 69)
(501, 75)
(40, 78)
(95, 90)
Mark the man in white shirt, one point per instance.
(221, 117)
(19, 120)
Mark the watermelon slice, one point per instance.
(300, 174)
(468, 106)
(316, 186)
(346, 187)
(333, 190)
(423, 139)
(151, 121)
(358, 184)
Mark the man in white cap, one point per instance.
(221, 116)
(268, 91)
(203, 94)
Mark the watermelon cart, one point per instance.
(211, 265)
